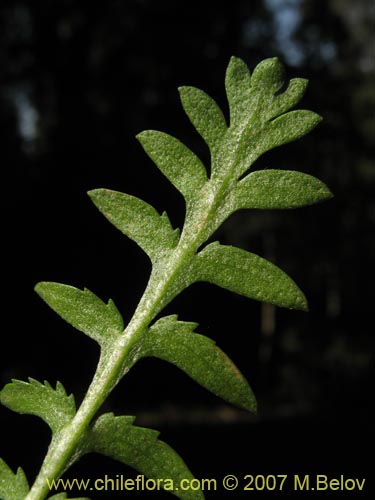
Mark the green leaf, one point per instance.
(141, 449)
(205, 115)
(266, 82)
(288, 99)
(237, 85)
(83, 310)
(288, 127)
(200, 358)
(259, 121)
(177, 162)
(12, 486)
(276, 189)
(281, 130)
(54, 406)
(138, 220)
(247, 274)
(267, 77)
(252, 97)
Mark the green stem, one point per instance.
(66, 444)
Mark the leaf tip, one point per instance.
(301, 303)
(251, 405)
(41, 288)
(326, 194)
(184, 91)
(94, 193)
(141, 136)
(318, 118)
(234, 60)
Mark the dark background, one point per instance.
(78, 81)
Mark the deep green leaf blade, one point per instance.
(176, 161)
(54, 406)
(138, 220)
(277, 189)
(237, 85)
(247, 274)
(255, 99)
(287, 128)
(200, 358)
(141, 449)
(84, 310)
(267, 77)
(12, 486)
(254, 94)
(205, 115)
(289, 98)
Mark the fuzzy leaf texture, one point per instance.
(138, 220)
(12, 486)
(258, 118)
(199, 357)
(247, 274)
(276, 189)
(141, 449)
(83, 310)
(177, 162)
(205, 115)
(54, 406)
(258, 111)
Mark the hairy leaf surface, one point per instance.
(12, 486)
(247, 274)
(277, 189)
(288, 99)
(138, 220)
(258, 107)
(237, 85)
(205, 115)
(286, 128)
(54, 406)
(177, 162)
(140, 448)
(260, 119)
(199, 357)
(256, 99)
(83, 310)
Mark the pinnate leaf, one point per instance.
(141, 449)
(199, 357)
(54, 406)
(247, 274)
(256, 98)
(276, 189)
(177, 162)
(83, 310)
(259, 121)
(138, 220)
(205, 115)
(251, 98)
(12, 486)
